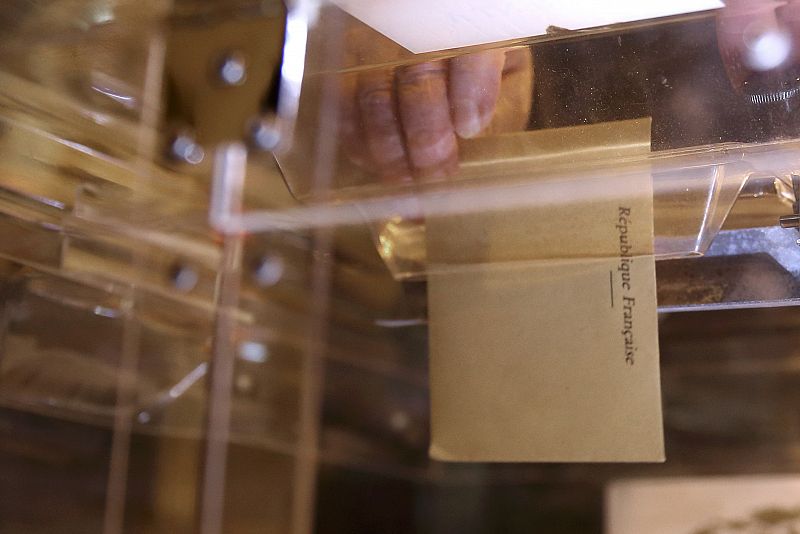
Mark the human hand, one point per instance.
(404, 123)
(759, 42)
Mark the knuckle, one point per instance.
(430, 125)
(428, 137)
(376, 101)
(421, 74)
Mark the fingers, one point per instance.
(405, 122)
(513, 109)
(742, 28)
(474, 90)
(352, 135)
(381, 128)
(424, 112)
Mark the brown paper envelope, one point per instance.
(543, 328)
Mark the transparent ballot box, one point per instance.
(253, 251)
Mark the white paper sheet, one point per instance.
(429, 25)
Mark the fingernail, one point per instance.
(468, 120)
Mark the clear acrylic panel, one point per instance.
(218, 220)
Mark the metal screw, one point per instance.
(265, 134)
(253, 351)
(269, 270)
(233, 69)
(185, 148)
(184, 278)
(776, 96)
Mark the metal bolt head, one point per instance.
(253, 351)
(185, 148)
(268, 270)
(767, 50)
(184, 278)
(265, 134)
(233, 69)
